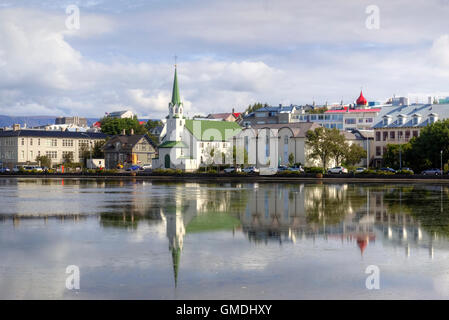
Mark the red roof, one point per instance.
(97, 124)
(345, 109)
(361, 101)
(236, 114)
(142, 122)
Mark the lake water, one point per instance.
(135, 239)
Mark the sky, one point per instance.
(230, 54)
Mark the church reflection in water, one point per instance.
(401, 216)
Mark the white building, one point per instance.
(187, 144)
(121, 114)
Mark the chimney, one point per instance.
(429, 100)
(16, 127)
(132, 131)
(233, 110)
(123, 132)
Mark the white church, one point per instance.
(188, 144)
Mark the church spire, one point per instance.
(175, 98)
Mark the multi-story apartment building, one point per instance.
(397, 125)
(21, 147)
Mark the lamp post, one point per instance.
(441, 161)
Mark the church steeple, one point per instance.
(175, 98)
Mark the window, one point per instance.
(377, 136)
(66, 143)
(23, 142)
(22, 154)
(415, 120)
(407, 134)
(313, 117)
(400, 135)
(384, 136)
(339, 126)
(400, 120)
(350, 121)
(378, 152)
(31, 141)
(320, 117)
(432, 119)
(415, 133)
(360, 120)
(369, 120)
(38, 142)
(392, 135)
(51, 154)
(327, 117)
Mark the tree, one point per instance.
(291, 159)
(354, 155)
(323, 144)
(425, 149)
(113, 126)
(67, 158)
(340, 147)
(255, 106)
(44, 161)
(97, 151)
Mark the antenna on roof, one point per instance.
(176, 60)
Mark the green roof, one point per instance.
(173, 144)
(212, 221)
(206, 130)
(175, 98)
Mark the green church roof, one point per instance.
(206, 130)
(173, 144)
(175, 97)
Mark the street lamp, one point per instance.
(441, 161)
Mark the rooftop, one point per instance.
(52, 134)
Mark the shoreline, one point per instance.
(238, 178)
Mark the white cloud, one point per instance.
(233, 53)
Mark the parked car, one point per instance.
(232, 169)
(16, 168)
(282, 168)
(31, 168)
(387, 169)
(298, 169)
(360, 170)
(4, 170)
(133, 168)
(338, 170)
(432, 172)
(251, 170)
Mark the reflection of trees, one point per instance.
(428, 205)
(331, 203)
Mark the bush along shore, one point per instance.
(310, 173)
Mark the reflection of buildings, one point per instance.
(286, 213)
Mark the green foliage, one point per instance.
(44, 161)
(314, 170)
(354, 154)
(425, 149)
(291, 159)
(326, 144)
(318, 110)
(391, 156)
(404, 172)
(113, 126)
(256, 106)
(67, 158)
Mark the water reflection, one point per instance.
(399, 216)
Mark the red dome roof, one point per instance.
(361, 101)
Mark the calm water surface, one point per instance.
(137, 239)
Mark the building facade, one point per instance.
(397, 125)
(22, 147)
(129, 150)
